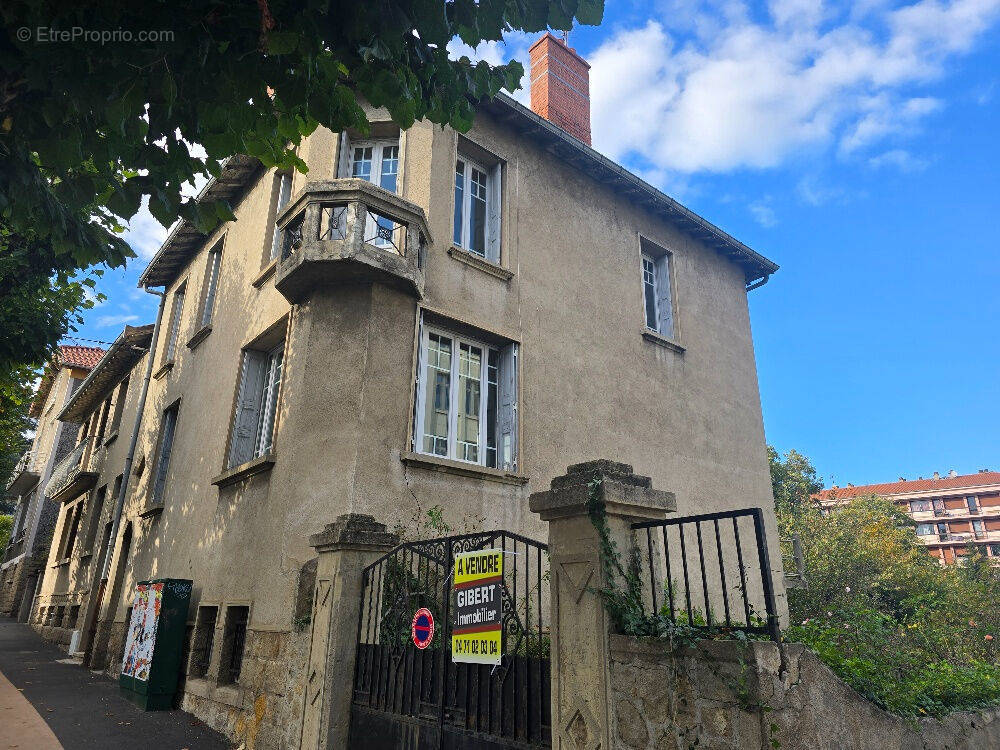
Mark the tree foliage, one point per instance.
(915, 637)
(6, 526)
(93, 125)
(793, 478)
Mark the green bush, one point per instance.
(6, 526)
(913, 636)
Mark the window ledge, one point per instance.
(476, 261)
(151, 510)
(462, 469)
(110, 438)
(164, 369)
(199, 337)
(663, 341)
(243, 471)
(60, 563)
(266, 273)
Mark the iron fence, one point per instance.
(695, 564)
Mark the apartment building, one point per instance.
(84, 484)
(427, 320)
(953, 513)
(24, 558)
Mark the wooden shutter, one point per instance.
(494, 193)
(664, 303)
(247, 407)
(344, 156)
(507, 409)
(163, 461)
(417, 390)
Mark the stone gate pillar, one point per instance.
(345, 548)
(580, 626)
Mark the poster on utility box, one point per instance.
(475, 633)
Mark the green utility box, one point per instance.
(154, 642)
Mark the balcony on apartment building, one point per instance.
(24, 476)
(77, 472)
(350, 231)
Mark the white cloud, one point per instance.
(763, 213)
(900, 159)
(725, 89)
(144, 233)
(115, 321)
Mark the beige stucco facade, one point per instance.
(567, 289)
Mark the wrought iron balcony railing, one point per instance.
(350, 231)
(23, 476)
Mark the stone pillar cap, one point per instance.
(622, 491)
(354, 531)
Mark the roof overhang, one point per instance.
(184, 240)
(116, 363)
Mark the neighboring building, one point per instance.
(425, 319)
(85, 483)
(953, 513)
(35, 515)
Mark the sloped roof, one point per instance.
(83, 357)
(980, 479)
(184, 241)
(116, 363)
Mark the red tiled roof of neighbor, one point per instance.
(912, 485)
(80, 356)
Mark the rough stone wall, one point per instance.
(722, 695)
(265, 709)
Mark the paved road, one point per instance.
(82, 709)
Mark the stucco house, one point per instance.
(426, 325)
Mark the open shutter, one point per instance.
(163, 461)
(344, 160)
(493, 228)
(664, 303)
(418, 405)
(248, 407)
(507, 409)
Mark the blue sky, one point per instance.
(853, 144)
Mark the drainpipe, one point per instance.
(95, 602)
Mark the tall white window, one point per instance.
(211, 284)
(377, 162)
(167, 429)
(477, 208)
(177, 307)
(657, 299)
(257, 405)
(466, 400)
(282, 193)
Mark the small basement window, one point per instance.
(234, 643)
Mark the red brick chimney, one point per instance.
(560, 86)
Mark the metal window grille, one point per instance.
(238, 637)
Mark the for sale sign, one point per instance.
(476, 634)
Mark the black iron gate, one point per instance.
(421, 700)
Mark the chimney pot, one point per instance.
(952, 473)
(936, 475)
(560, 86)
(902, 479)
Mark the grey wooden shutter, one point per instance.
(247, 407)
(507, 409)
(344, 162)
(493, 228)
(418, 376)
(166, 446)
(664, 303)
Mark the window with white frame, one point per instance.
(657, 290)
(477, 208)
(466, 403)
(281, 193)
(376, 161)
(211, 284)
(257, 405)
(175, 321)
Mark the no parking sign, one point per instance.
(422, 628)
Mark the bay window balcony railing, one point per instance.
(350, 231)
(23, 476)
(77, 472)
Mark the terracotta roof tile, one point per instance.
(80, 356)
(913, 485)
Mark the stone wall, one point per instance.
(723, 695)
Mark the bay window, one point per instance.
(466, 399)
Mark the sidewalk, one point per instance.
(45, 705)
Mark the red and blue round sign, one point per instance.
(422, 628)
